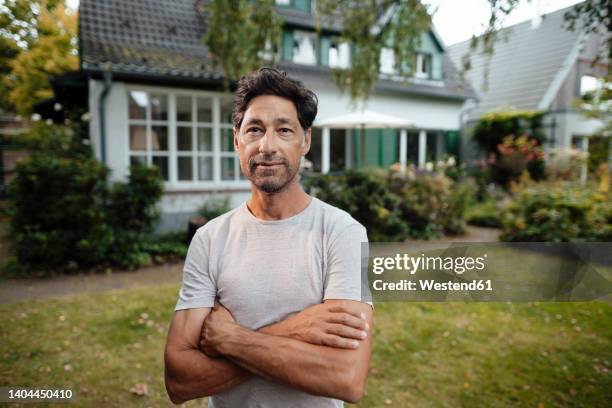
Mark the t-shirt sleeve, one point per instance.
(198, 288)
(344, 278)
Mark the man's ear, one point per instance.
(235, 138)
(307, 140)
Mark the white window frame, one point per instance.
(313, 41)
(173, 184)
(421, 57)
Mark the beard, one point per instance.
(270, 179)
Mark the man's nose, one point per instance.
(267, 143)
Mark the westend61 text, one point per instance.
(432, 285)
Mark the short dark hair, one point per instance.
(270, 81)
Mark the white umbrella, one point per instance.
(364, 120)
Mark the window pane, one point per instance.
(226, 110)
(138, 160)
(138, 137)
(204, 109)
(227, 140)
(205, 140)
(185, 172)
(159, 138)
(183, 108)
(183, 135)
(228, 169)
(159, 107)
(162, 166)
(138, 104)
(205, 165)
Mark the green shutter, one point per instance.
(287, 45)
(452, 139)
(302, 5)
(325, 43)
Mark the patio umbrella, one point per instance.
(365, 119)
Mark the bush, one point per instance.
(485, 214)
(395, 205)
(66, 216)
(493, 128)
(559, 214)
(367, 198)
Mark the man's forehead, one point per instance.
(271, 108)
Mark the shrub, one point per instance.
(485, 214)
(493, 128)
(395, 205)
(558, 214)
(367, 198)
(66, 216)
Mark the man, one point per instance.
(270, 312)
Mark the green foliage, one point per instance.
(65, 214)
(367, 198)
(214, 207)
(369, 27)
(485, 214)
(560, 213)
(242, 35)
(394, 206)
(493, 128)
(40, 41)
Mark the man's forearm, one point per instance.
(192, 374)
(314, 369)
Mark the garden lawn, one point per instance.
(425, 354)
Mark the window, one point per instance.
(339, 54)
(423, 66)
(590, 86)
(387, 61)
(304, 49)
(177, 133)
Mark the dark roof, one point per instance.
(526, 60)
(161, 40)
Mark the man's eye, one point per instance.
(285, 130)
(253, 130)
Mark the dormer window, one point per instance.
(339, 54)
(304, 48)
(423, 66)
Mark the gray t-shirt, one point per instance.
(264, 271)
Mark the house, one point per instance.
(539, 65)
(155, 98)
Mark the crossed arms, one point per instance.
(323, 350)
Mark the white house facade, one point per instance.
(155, 99)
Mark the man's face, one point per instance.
(271, 143)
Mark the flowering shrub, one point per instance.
(514, 155)
(558, 213)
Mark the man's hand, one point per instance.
(325, 324)
(216, 326)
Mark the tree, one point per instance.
(368, 25)
(38, 40)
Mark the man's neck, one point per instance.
(277, 206)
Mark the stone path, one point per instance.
(17, 290)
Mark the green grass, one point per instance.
(425, 354)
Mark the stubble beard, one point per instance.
(272, 180)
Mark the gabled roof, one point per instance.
(528, 62)
(161, 40)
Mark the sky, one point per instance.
(458, 20)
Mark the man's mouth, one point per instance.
(269, 164)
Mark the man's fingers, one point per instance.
(348, 320)
(339, 342)
(345, 309)
(347, 332)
